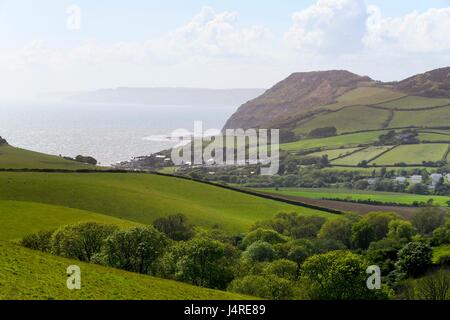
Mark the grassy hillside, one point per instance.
(413, 154)
(413, 102)
(348, 119)
(18, 219)
(15, 158)
(427, 118)
(144, 197)
(332, 154)
(321, 193)
(27, 274)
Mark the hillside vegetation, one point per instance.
(28, 274)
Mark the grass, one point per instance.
(32, 275)
(18, 219)
(427, 118)
(15, 158)
(426, 136)
(348, 140)
(144, 197)
(332, 154)
(414, 102)
(365, 96)
(321, 193)
(349, 119)
(413, 154)
(366, 154)
(440, 251)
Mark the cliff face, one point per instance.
(432, 84)
(297, 94)
(3, 141)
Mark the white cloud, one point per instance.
(329, 26)
(426, 32)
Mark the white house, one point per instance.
(416, 179)
(400, 180)
(435, 178)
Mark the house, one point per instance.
(372, 181)
(435, 178)
(400, 180)
(416, 179)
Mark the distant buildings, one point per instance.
(416, 179)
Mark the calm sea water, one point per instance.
(110, 133)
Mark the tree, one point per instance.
(401, 230)
(372, 227)
(435, 286)
(38, 241)
(266, 286)
(175, 227)
(419, 188)
(414, 258)
(80, 241)
(384, 254)
(260, 251)
(202, 262)
(425, 220)
(136, 249)
(337, 229)
(86, 159)
(266, 235)
(441, 235)
(337, 275)
(283, 268)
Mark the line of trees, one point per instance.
(287, 257)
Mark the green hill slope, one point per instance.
(144, 197)
(15, 158)
(18, 219)
(28, 274)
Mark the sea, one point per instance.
(111, 133)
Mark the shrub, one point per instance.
(175, 227)
(414, 258)
(372, 227)
(38, 241)
(265, 235)
(260, 251)
(282, 268)
(267, 287)
(80, 241)
(338, 229)
(425, 220)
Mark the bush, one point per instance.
(283, 268)
(338, 229)
(425, 220)
(39, 241)
(414, 259)
(175, 227)
(441, 235)
(435, 286)
(260, 251)
(372, 227)
(135, 250)
(80, 241)
(265, 235)
(267, 287)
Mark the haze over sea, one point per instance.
(108, 132)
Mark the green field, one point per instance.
(348, 140)
(412, 102)
(32, 275)
(349, 119)
(365, 96)
(440, 251)
(321, 193)
(18, 219)
(425, 136)
(429, 118)
(144, 197)
(15, 158)
(413, 154)
(333, 154)
(366, 154)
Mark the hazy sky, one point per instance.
(58, 45)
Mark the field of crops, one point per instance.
(413, 154)
(365, 154)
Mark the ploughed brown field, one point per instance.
(344, 206)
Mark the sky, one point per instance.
(66, 46)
